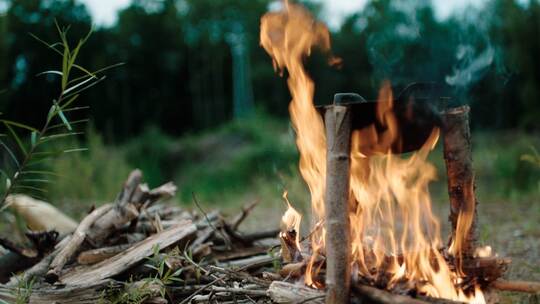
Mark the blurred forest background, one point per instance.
(197, 99)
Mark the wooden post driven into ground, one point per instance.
(458, 159)
(337, 121)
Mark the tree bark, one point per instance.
(338, 273)
(458, 159)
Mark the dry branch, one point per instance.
(123, 261)
(123, 212)
(74, 243)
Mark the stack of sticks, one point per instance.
(137, 250)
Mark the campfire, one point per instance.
(372, 218)
(373, 236)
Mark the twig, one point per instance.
(225, 238)
(198, 291)
(235, 223)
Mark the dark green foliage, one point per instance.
(178, 73)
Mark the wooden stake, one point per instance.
(458, 159)
(338, 273)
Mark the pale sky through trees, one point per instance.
(104, 11)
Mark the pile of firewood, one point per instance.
(136, 250)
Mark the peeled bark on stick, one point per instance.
(458, 159)
(338, 130)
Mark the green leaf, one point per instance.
(77, 85)
(76, 109)
(33, 138)
(91, 84)
(52, 112)
(75, 150)
(19, 125)
(64, 119)
(65, 68)
(98, 71)
(72, 123)
(36, 180)
(11, 154)
(38, 172)
(50, 72)
(30, 188)
(51, 46)
(17, 139)
(56, 136)
(90, 74)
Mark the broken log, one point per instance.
(124, 260)
(337, 120)
(459, 169)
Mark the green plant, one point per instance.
(25, 171)
(93, 175)
(23, 291)
(164, 275)
(131, 293)
(533, 158)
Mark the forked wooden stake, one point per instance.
(338, 130)
(458, 159)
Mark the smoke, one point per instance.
(476, 54)
(470, 66)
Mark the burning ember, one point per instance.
(395, 240)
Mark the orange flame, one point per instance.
(393, 228)
(291, 220)
(289, 36)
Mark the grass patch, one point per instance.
(84, 178)
(256, 159)
(221, 165)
